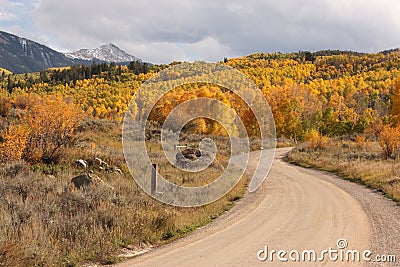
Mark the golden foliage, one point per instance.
(389, 140)
(205, 125)
(396, 99)
(360, 140)
(14, 143)
(338, 94)
(25, 101)
(52, 122)
(42, 132)
(316, 140)
(5, 71)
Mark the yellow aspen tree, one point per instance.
(396, 99)
(14, 143)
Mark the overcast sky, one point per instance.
(165, 30)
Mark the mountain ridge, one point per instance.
(21, 55)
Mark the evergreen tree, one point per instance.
(44, 77)
(9, 84)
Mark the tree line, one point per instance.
(72, 74)
(332, 92)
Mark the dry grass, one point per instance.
(44, 221)
(191, 179)
(359, 161)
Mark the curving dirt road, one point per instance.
(297, 209)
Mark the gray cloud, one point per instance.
(162, 31)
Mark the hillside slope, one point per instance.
(21, 55)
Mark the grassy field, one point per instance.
(361, 162)
(45, 221)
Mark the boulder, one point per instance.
(189, 155)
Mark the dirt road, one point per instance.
(295, 209)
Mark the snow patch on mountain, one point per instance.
(108, 53)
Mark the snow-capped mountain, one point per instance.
(108, 53)
(21, 55)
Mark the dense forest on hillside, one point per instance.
(333, 92)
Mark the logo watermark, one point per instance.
(340, 253)
(144, 103)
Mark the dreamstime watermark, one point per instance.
(340, 253)
(145, 102)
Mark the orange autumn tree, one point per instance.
(200, 125)
(52, 122)
(389, 137)
(47, 126)
(316, 140)
(389, 140)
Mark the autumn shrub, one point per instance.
(14, 143)
(360, 139)
(25, 101)
(52, 122)
(389, 140)
(5, 106)
(14, 168)
(42, 132)
(373, 131)
(315, 140)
